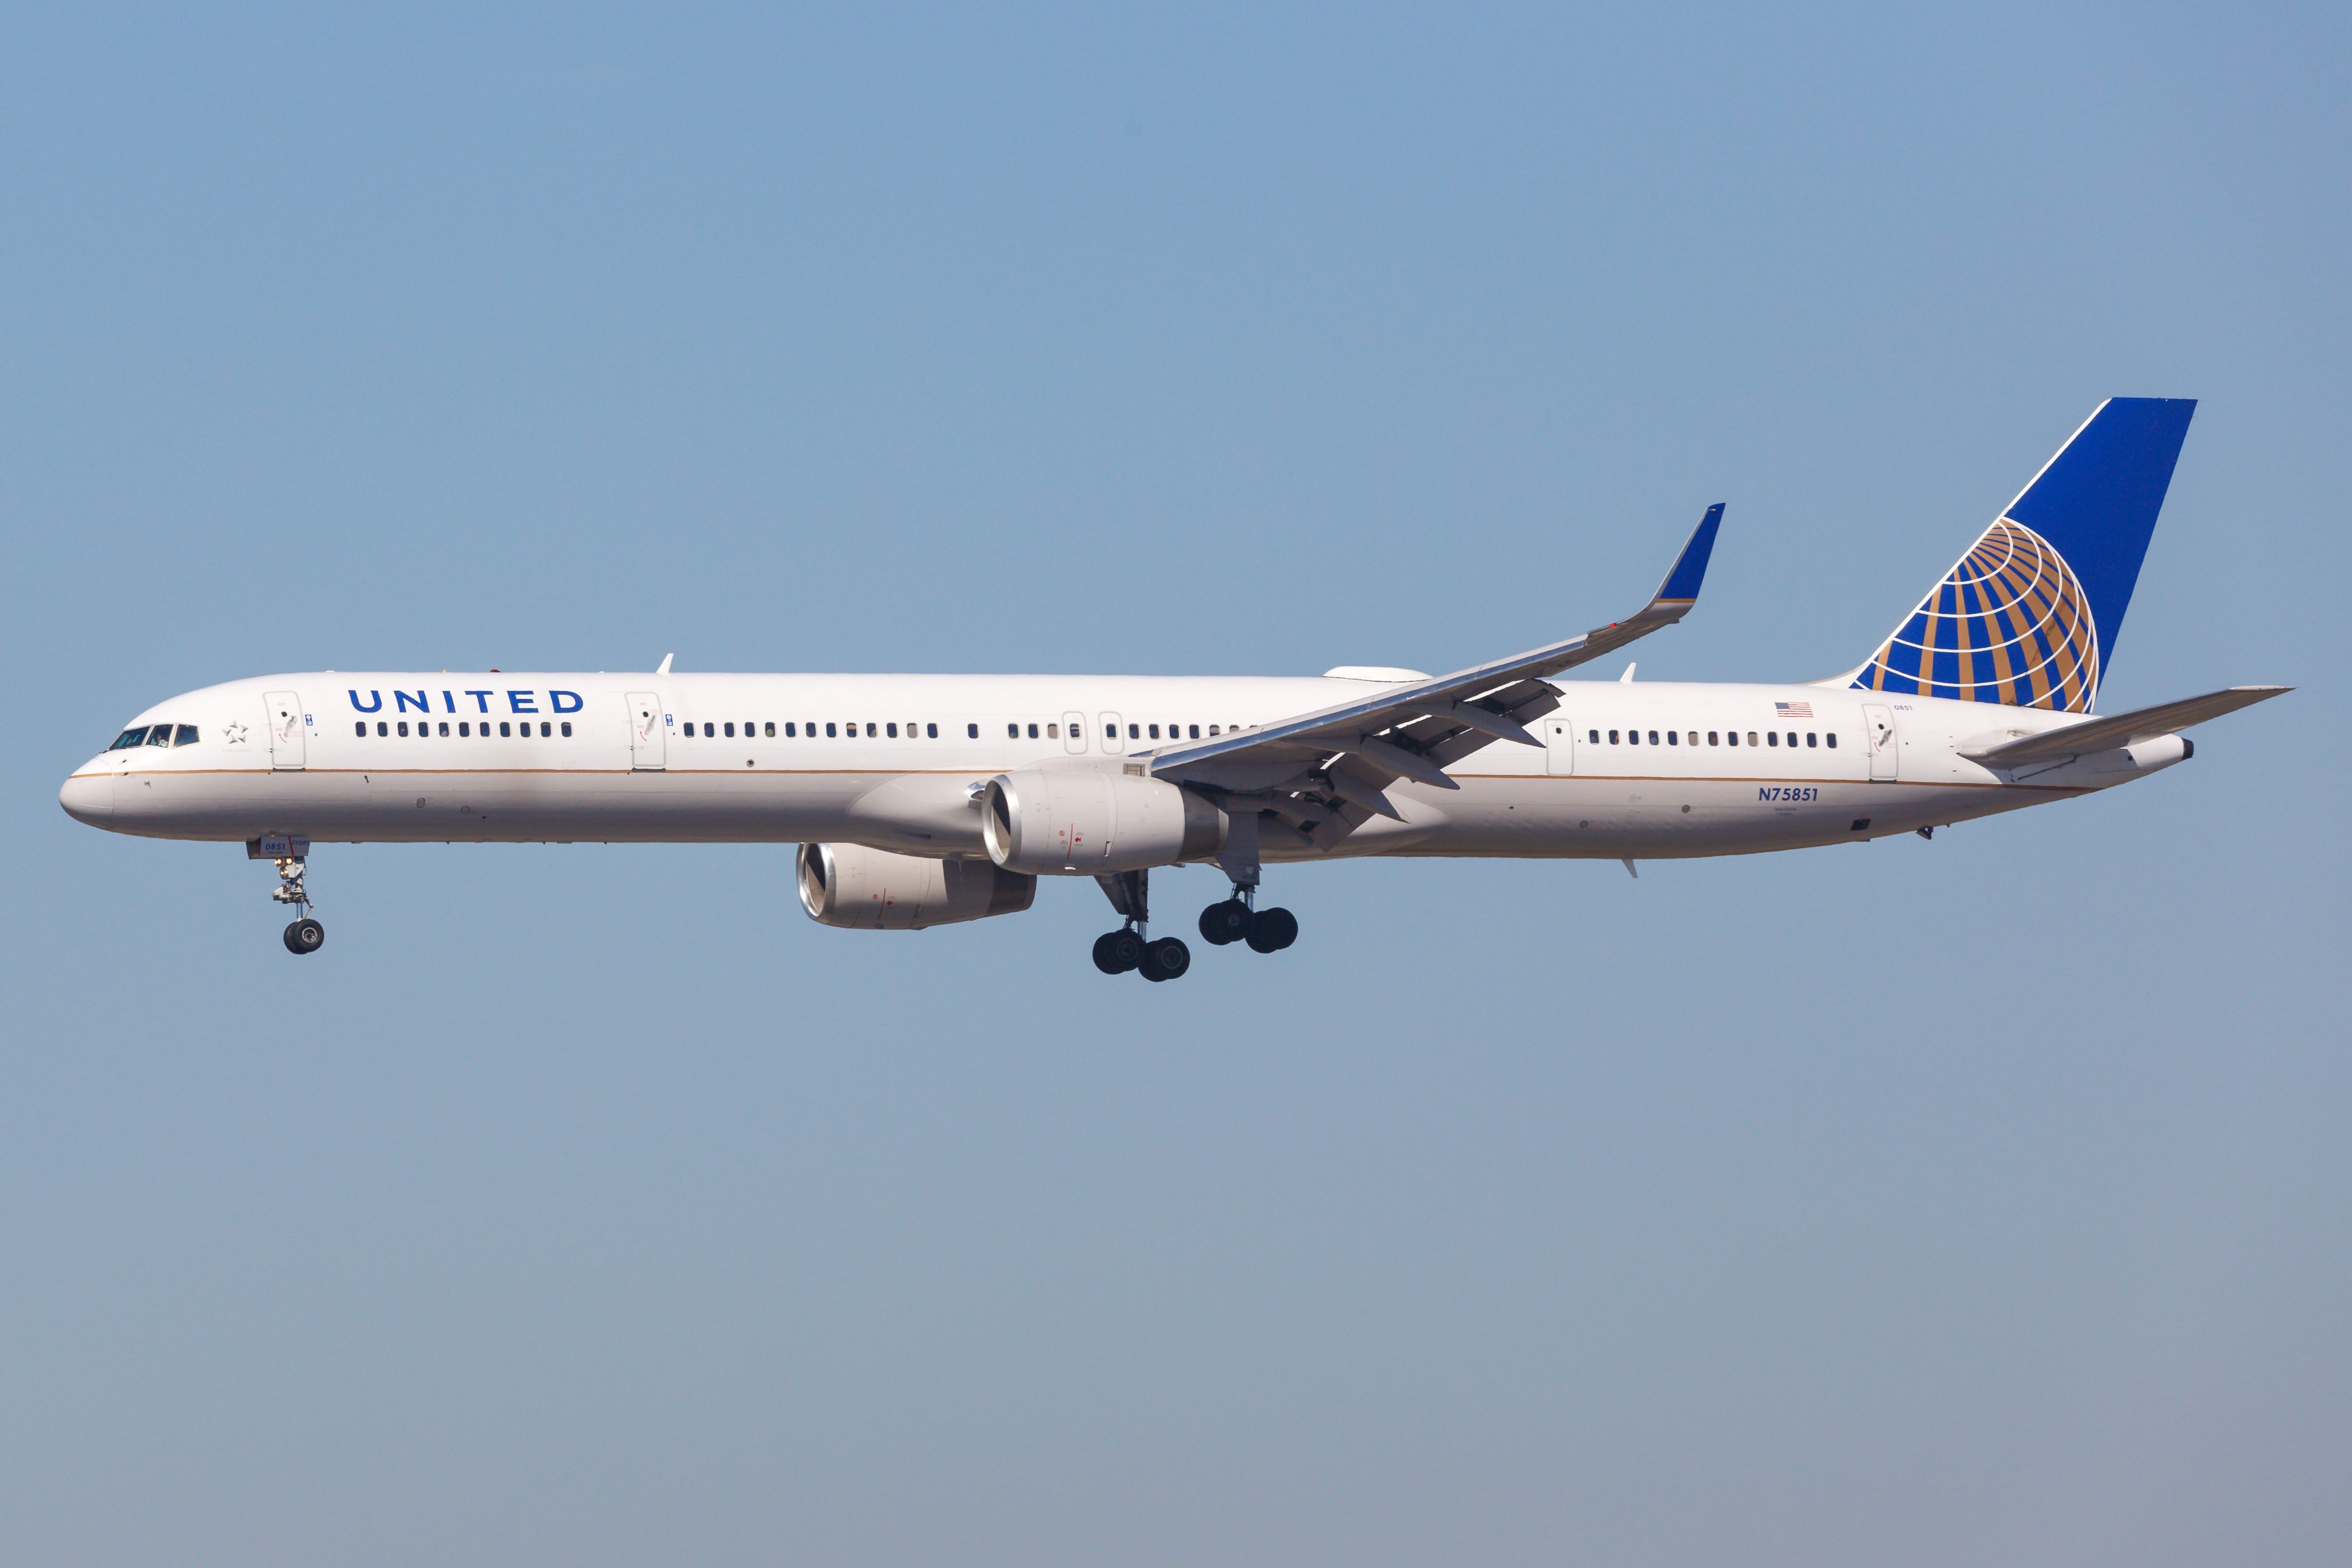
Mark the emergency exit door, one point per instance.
(649, 738)
(286, 738)
(1559, 745)
(1879, 722)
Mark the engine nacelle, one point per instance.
(1084, 823)
(860, 889)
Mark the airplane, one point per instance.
(921, 801)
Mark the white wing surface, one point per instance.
(1325, 773)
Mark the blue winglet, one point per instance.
(1690, 567)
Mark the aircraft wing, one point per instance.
(1331, 767)
(2119, 729)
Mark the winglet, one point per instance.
(664, 663)
(1690, 567)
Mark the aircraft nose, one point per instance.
(89, 798)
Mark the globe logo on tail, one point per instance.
(2010, 624)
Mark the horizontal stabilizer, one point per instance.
(2119, 729)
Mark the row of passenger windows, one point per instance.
(465, 729)
(716, 730)
(156, 735)
(1714, 737)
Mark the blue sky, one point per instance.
(1943, 1202)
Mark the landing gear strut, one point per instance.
(291, 854)
(1116, 952)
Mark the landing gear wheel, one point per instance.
(1166, 959)
(1272, 930)
(305, 935)
(1223, 923)
(1116, 952)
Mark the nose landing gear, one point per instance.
(290, 853)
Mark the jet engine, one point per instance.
(1086, 823)
(852, 886)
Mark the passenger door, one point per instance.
(286, 738)
(1560, 744)
(1878, 721)
(649, 741)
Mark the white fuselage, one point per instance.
(508, 757)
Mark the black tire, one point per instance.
(1166, 959)
(1223, 923)
(1116, 952)
(1272, 930)
(305, 935)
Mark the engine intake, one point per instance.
(861, 889)
(1084, 823)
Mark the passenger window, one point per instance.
(1673, 737)
(404, 729)
(791, 730)
(1155, 732)
(1792, 738)
(771, 730)
(1811, 738)
(382, 728)
(463, 728)
(707, 733)
(828, 732)
(1135, 732)
(1653, 738)
(1714, 737)
(1752, 737)
(360, 729)
(1612, 738)
(1212, 729)
(567, 729)
(894, 731)
(1694, 738)
(504, 730)
(444, 728)
(545, 729)
(972, 732)
(1052, 732)
(1032, 732)
(730, 732)
(1771, 738)
(1596, 737)
(1834, 740)
(931, 732)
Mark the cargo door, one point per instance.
(1560, 744)
(286, 731)
(648, 740)
(1879, 722)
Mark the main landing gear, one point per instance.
(1116, 952)
(1236, 920)
(305, 935)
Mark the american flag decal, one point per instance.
(1794, 710)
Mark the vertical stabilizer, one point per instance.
(2029, 616)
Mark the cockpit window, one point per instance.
(160, 735)
(129, 738)
(187, 735)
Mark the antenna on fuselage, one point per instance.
(664, 663)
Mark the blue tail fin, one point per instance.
(2029, 616)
